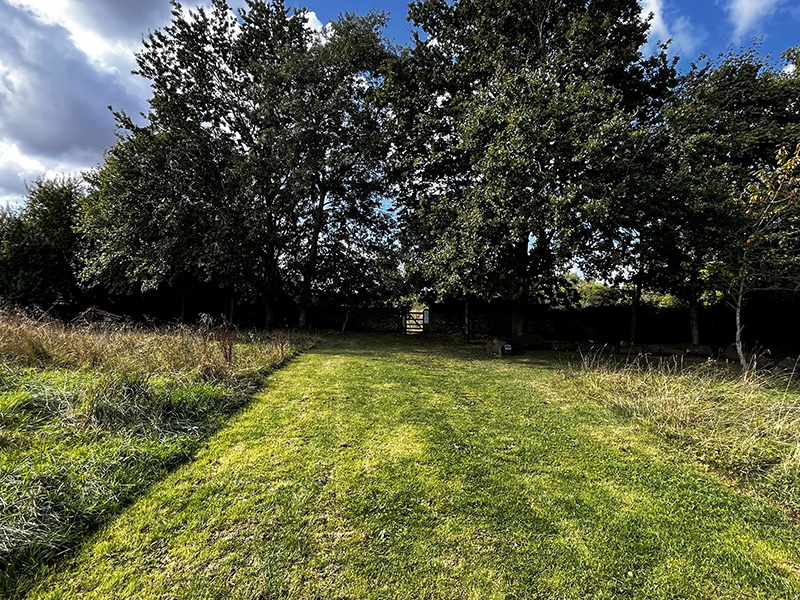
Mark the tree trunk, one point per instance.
(637, 296)
(518, 316)
(738, 308)
(272, 282)
(269, 317)
(466, 318)
(694, 322)
(183, 306)
(311, 265)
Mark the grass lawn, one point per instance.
(91, 417)
(388, 467)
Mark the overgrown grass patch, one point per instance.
(746, 425)
(90, 417)
(387, 467)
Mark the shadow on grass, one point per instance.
(378, 467)
(67, 480)
(504, 488)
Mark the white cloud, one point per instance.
(62, 63)
(11, 157)
(18, 170)
(686, 36)
(53, 101)
(321, 33)
(108, 32)
(747, 14)
(313, 22)
(15, 170)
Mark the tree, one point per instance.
(508, 111)
(143, 229)
(191, 196)
(261, 152)
(765, 253)
(38, 245)
(627, 235)
(722, 125)
(338, 147)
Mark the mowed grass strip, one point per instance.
(385, 467)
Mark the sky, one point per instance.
(64, 62)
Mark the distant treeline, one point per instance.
(281, 169)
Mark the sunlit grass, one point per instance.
(386, 467)
(91, 416)
(746, 425)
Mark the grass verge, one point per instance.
(92, 416)
(395, 468)
(747, 426)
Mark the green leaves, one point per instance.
(38, 245)
(768, 253)
(508, 125)
(261, 154)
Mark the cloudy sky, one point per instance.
(63, 62)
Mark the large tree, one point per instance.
(625, 231)
(38, 245)
(724, 124)
(260, 155)
(509, 115)
(337, 145)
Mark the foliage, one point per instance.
(662, 300)
(769, 253)
(502, 130)
(38, 246)
(340, 148)
(518, 140)
(765, 253)
(92, 416)
(259, 167)
(725, 122)
(593, 294)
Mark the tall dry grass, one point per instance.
(91, 415)
(208, 348)
(747, 424)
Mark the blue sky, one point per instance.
(63, 62)
(700, 26)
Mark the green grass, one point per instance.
(91, 417)
(386, 467)
(747, 427)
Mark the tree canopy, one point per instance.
(259, 166)
(509, 144)
(38, 245)
(512, 116)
